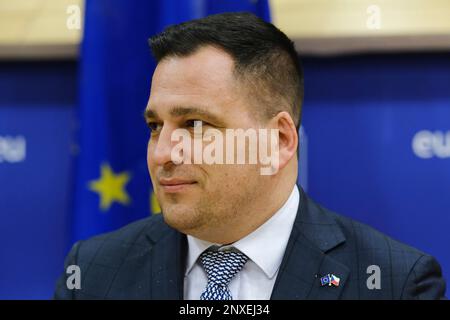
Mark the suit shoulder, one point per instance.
(365, 237)
(116, 244)
(405, 272)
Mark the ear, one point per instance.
(287, 137)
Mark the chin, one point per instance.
(181, 217)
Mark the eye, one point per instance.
(154, 126)
(195, 123)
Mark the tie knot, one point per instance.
(222, 266)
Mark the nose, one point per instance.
(160, 154)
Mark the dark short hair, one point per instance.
(263, 55)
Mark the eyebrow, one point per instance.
(184, 111)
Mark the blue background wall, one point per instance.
(360, 116)
(37, 102)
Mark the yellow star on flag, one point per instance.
(154, 204)
(110, 187)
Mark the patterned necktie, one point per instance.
(221, 267)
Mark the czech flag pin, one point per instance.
(330, 280)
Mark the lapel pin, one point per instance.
(329, 280)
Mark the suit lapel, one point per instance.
(153, 267)
(168, 256)
(305, 261)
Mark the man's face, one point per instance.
(214, 196)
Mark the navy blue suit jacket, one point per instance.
(146, 260)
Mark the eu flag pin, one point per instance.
(330, 280)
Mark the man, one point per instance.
(228, 231)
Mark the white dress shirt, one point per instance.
(265, 249)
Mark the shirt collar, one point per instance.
(259, 245)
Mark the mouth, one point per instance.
(176, 185)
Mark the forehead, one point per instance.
(202, 78)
